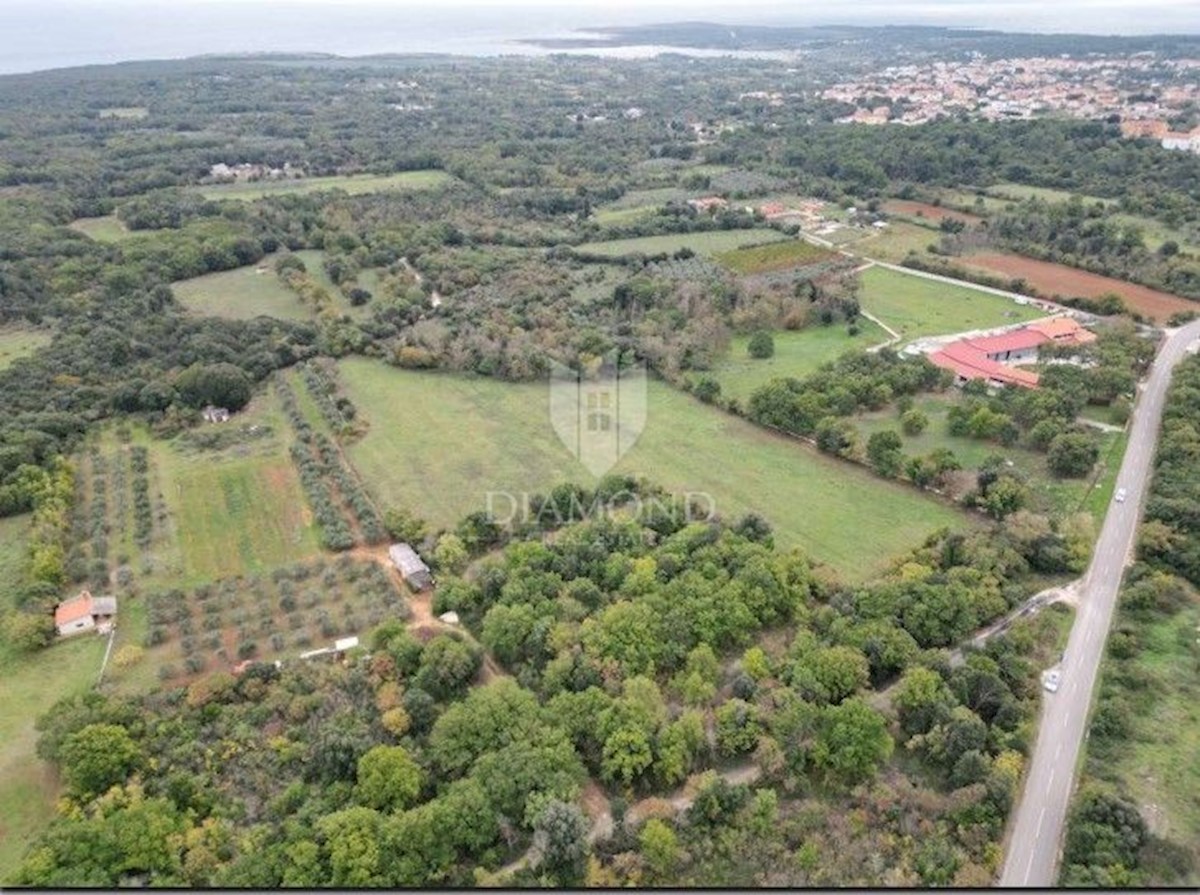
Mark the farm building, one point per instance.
(411, 567)
(990, 357)
(85, 613)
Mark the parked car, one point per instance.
(1120, 495)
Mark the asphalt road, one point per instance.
(1033, 850)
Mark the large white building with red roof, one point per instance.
(994, 358)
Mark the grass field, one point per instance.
(355, 184)
(1024, 191)
(915, 306)
(967, 198)
(1158, 763)
(104, 229)
(709, 243)
(32, 684)
(1048, 493)
(438, 444)
(773, 256)
(243, 293)
(15, 343)
(239, 510)
(797, 353)
(896, 241)
(126, 112)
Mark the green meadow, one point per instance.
(438, 443)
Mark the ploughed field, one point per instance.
(1053, 280)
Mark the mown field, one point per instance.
(237, 510)
(243, 293)
(708, 243)
(15, 343)
(797, 353)
(438, 444)
(896, 241)
(915, 306)
(356, 184)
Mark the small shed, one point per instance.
(411, 567)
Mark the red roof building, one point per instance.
(84, 613)
(987, 357)
(967, 362)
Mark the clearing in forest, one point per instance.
(242, 294)
(355, 184)
(708, 243)
(438, 443)
(17, 342)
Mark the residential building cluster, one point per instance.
(1140, 88)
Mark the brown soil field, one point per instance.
(933, 213)
(1058, 280)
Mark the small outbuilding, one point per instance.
(411, 567)
(85, 613)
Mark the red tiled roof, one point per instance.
(73, 609)
(970, 363)
(1063, 329)
(1015, 340)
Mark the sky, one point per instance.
(38, 34)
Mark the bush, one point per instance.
(913, 422)
(762, 345)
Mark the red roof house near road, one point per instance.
(968, 362)
(986, 357)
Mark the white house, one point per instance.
(85, 613)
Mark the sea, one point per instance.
(44, 34)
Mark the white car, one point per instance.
(1051, 679)
(1120, 495)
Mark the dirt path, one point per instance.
(421, 606)
(681, 800)
(435, 297)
